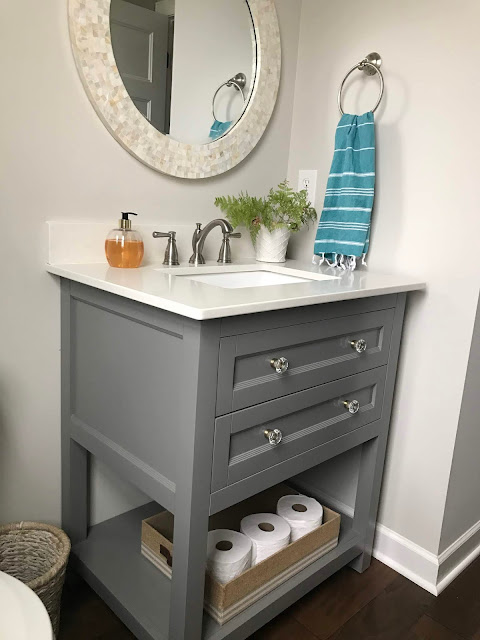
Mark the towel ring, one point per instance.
(369, 65)
(239, 82)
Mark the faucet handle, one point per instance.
(171, 253)
(225, 255)
(196, 236)
(161, 234)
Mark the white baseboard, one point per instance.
(430, 571)
(459, 542)
(407, 558)
(457, 569)
(458, 556)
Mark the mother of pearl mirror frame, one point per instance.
(92, 47)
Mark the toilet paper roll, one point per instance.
(229, 553)
(269, 533)
(303, 514)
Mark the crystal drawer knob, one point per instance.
(274, 436)
(353, 406)
(359, 345)
(279, 364)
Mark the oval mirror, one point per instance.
(187, 87)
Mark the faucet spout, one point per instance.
(200, 235)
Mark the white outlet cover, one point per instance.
(307, 179)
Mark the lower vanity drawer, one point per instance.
(252, 440)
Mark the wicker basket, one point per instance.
(37, 554)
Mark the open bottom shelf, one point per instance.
(111, 562)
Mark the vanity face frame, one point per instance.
(150, 394)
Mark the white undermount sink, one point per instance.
(246, 279)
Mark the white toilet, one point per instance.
(22, 614)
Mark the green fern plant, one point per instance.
(283, 207)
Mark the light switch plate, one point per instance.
(307, 179)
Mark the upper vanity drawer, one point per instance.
(261, 366)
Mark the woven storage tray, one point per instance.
(224, 601)
(37, 554)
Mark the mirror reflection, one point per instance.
(194, 98)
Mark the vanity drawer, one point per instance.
(317, 352)
(305, 420)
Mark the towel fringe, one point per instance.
(340, 261)
(318, 260)
(351, 263)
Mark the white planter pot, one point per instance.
(272, 246)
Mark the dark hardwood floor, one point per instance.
(376, 605)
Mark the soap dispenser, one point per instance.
(124, 246)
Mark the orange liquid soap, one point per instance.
(124, 246)
(124, 253)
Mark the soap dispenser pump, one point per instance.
(124, 246)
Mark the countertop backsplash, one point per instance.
(84, 242)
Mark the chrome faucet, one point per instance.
(200, 235)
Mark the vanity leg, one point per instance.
(74, 490)
(192, 494)
(189, 561)
(373, 453)
(74, 457)
(368, 495)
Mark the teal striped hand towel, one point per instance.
(343, 232)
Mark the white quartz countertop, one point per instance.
(168, 288)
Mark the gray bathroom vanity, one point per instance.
(203, 413)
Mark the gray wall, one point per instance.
(462, 509)
(59, 162)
